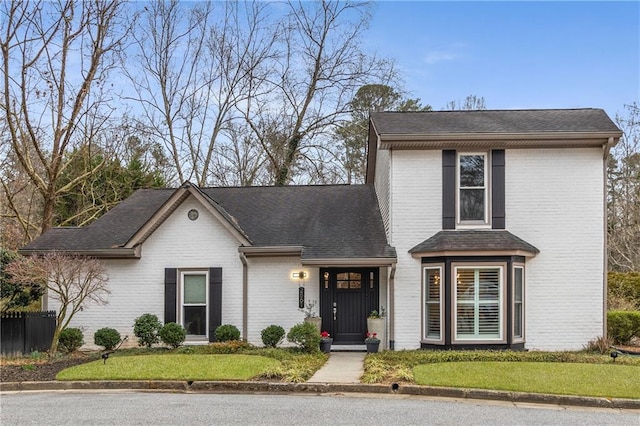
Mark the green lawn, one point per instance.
(172, 367)
(603, 380)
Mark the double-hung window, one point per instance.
(194, 294)
(478, 295)
(473, 199)
(518, 303)
(433, 304)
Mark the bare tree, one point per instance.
(319, 68)
(471, 102)
(197, 62)
(74, 282)
(624, 194)
(56, 57)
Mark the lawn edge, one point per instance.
(321, 388)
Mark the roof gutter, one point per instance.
(110, 253)
(390, 137)
(362, 261)
(253, 251)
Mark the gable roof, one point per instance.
(325, 222)
(540, 127)
(461, 242)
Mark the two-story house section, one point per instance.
(498, 221)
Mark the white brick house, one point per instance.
(474, 229)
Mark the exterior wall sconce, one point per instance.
(300, 275)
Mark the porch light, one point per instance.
(300, 275)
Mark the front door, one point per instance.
(347, 296)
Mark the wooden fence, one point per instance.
(25, 332)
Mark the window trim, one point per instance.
(180, 304)
(486, 223)
(502, 302)
(514, 338)
(425, 338)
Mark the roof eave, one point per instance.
(106, 253)
(537, 139)
(350, 261)
(446, 253)
(268, 251)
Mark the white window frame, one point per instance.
(425, 292)
(502, 306)
(519, 339)
(180, 310)
(487, 207)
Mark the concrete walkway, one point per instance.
(342, 367)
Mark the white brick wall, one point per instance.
(273, 294)
(554, 200)
(416, 197)
(137, 286)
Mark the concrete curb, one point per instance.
(320, 388)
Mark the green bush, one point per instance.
(623, 325)
(70, 339)
(173, 334)
(107, 337)
(146, 328)
(227, 332)
(625, 285)
(306, 336)
(272, 336)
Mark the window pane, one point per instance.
(471, 170)
(355, 276)
(195, 289)
(518, 282)
(355, 284)
(343, 276)
(489, 284)
(517, 320)
(489, 321)
(471, 204)
(343, 284)
(195, 318)
(466, 321)
(465, 288)
(432, 305)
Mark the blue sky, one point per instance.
(514, 54)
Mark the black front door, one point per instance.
(347, 296)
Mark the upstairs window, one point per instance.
(472, 189)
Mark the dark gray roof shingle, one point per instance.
(334, 221)
(494, 121)
(473, 240)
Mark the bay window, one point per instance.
(433, 298)
(478, 298)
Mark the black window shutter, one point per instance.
(448, 189)
(215, 301)
(497, 189)
(170, 293)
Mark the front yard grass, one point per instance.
(171, 367)
(616, 381)
(218, 361)
(577, 373)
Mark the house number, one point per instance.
(301, 297)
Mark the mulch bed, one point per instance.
(39, 371)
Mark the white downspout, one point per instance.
(606, 148)
(245, 300)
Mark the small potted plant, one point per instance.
(376, 323)
(310, 314)
(325, 342)
(372, 342)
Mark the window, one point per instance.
(348, 280)
(433, 303)
(477, 303)
(472, 188)
(518, 303)
(193, 303)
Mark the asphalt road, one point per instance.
(140, 408)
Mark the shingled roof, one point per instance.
(587, 120)
(455, 242)
(328, 222)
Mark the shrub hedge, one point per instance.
(625, 285)
(70, 339)
(107, 337)
(272, 336)
(623, 325)
(227, 332)
(306, 336)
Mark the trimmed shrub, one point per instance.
(172, 334)
(272, 336)
(227, 332)
(623, 325)
(107, 337)
(70, 339)
(146, 329)
(625, 286)
(306, 336)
